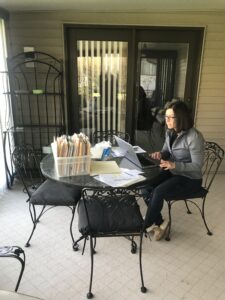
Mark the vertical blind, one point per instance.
(102, 79)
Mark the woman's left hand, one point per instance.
(167, 165)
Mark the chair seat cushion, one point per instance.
(110, 216)
(55, 193)
(202, 192)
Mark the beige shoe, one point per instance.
(160, 231)
(151, 229)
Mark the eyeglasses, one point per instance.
(169, 117)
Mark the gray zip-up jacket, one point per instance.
(187, 152)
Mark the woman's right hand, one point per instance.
(156, 155)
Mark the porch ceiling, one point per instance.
(113, 5)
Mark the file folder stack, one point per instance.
(72, 155)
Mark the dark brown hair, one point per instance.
(183, 116)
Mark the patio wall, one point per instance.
(44, 31)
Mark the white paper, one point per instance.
(138, 149)
(104, 167)
(120, 180)
(131, 172)
(97, 150)
(117, 152)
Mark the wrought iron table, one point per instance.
(86, 181)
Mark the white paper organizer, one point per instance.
(71, 166)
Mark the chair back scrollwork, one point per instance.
(214, 155)
(27, 167)
(108, 135)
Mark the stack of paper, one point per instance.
(70, 146)
(123, 179)
(104, 167)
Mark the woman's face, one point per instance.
(170, 119)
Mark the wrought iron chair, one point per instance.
(110, 212)
(44, 193)
(19, 254)
(214, 155)
(108, 135)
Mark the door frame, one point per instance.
(72, 33)
(133, 34)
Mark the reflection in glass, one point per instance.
(162, 75)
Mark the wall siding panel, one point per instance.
(44, 31)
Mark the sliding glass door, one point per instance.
(99, 91)
(167, 69)
(121, 79)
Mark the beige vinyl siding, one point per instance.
(44, 31)
(181, 69)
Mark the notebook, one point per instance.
(142, 160)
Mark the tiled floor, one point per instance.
(191, 266)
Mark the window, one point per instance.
(5, 120)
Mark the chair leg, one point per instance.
(76, 245)
(35, 220)
(133, 244)
(89, 294)
(71, 224)
(94, 245)
(84, 245)
(188, 210)
(19, 251)
(15, 252)
(143, 288)
(209, 232)
(167, 238)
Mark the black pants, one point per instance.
(166, 185)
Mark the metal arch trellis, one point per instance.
(36, 98)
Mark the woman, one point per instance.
(181, 161)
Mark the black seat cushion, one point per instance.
(202, 192)
(55, 193)
(110, 216)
